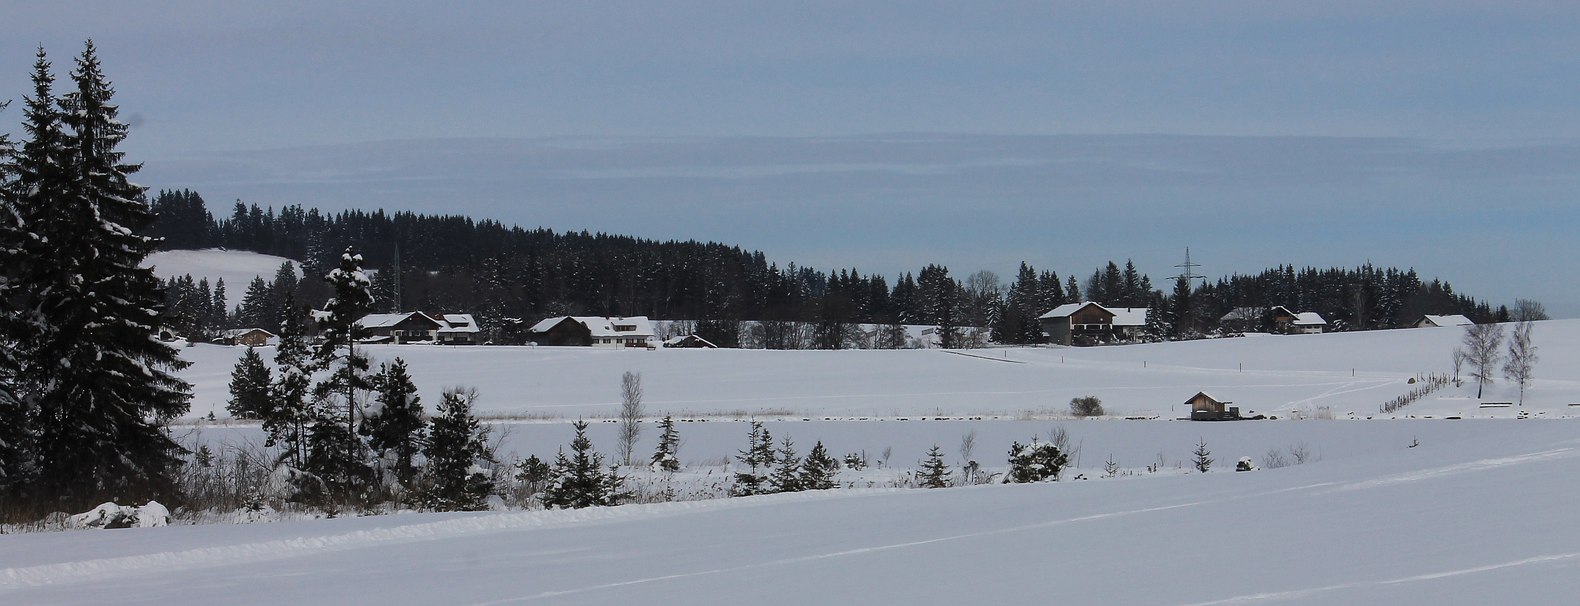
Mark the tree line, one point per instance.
(510, 277)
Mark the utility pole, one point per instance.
(395, 267)
(1183, 285)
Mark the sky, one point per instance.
(879, 135)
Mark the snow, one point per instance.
(1435, 524)
(236, 267)
(1383, 511)
(1342, 373)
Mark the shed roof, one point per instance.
(1309, 318)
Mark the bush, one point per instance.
(1088, 406)
(1034, 463)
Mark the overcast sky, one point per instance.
(1438, 135)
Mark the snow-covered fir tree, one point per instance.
(934, 472)
(817, 471)
(787, 469)
(457, 445)
(668, 443)
(292, 411)
(249, 387)
(395, 426)
(1035, 462)
(98, 382)
(349, 367)
(581, 480)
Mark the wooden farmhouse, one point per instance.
(250, 337)
(594, 331)
(1204, 407)
(1088, 323)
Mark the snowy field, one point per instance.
(1391, 509)
(1479, 513)
(1274, 375)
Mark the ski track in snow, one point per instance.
(62, 572)
(1469, 467)
(1296, 594)
(1428, 474)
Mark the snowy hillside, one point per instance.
(1476, 517)
(236, 267)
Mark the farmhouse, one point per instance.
(251, 337)
(457, 329)
(593, 331)
(1089, 323)
(1307, 323)
(1204, 407)
(416, 326)
(1430, 321)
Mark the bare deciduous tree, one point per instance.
(1522, 358)
(1480, 345)
(1528, 310)
(630, 413)
(1459, 367)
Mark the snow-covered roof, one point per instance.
(1203, 394)
(1309, 318)
(1123, 316)
(634, 326)
(1067, 310)
(448, 323)
(237, 332)
(388, 320)
(1453, 320)
(1243, 314)
(1129, 316)
(456, 323)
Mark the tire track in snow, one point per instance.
(1296, 594)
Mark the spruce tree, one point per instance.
(455, 445)
(249, 387)
(817, 471)
(579, 480)
(757, 457)
(1203, 457)
(397, 427)
(15, 449)
(341, 332)
(668, 442)
(786, 476)
(1036, 462)
(292, 411)
(934, 473)
(104, 385)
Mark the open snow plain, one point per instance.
(1394, 510)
